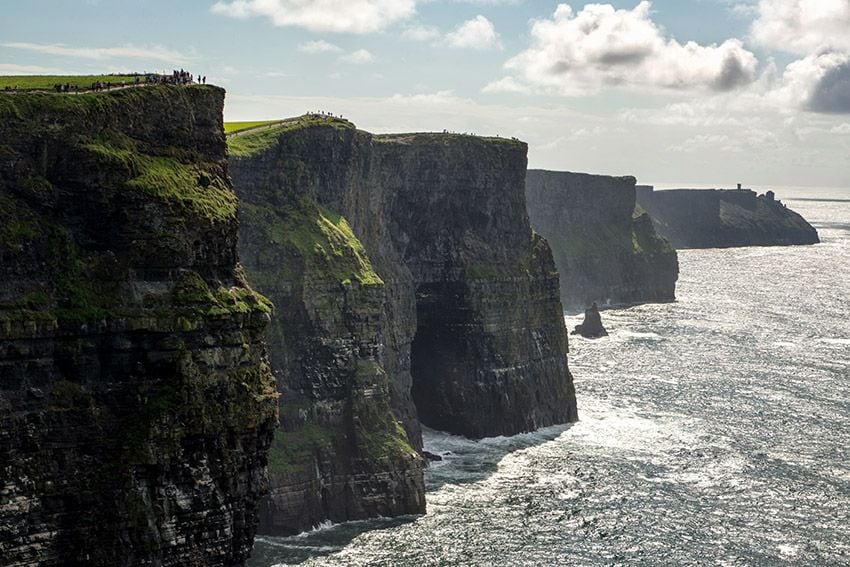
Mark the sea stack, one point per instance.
(591, 327)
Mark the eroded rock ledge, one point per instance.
(136, 402)
(408, 285)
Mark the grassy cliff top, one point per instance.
(251, 140)
(20, 104)
(233, 127)
(445, 137)
(46, 82)
(163, 152)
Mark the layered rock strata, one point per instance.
(723, 218)
(340, 341)
(428, 296)
(136, 401)
(605, 247)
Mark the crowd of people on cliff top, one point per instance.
(322, 113)
(177, 77)
(446, 131)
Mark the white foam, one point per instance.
(637, 335)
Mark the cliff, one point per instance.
(432, 301)
(136, 402)
(605, 247)
(340, 341)
(723, 218)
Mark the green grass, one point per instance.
(46, 82)
(645, 240)
(193, 293)
(377, 433)
(420, 137)
(255, 142)
(325, 241)
(233, 127)
(186, 185)
(293, 451)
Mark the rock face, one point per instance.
(136, 402)
(433, 300)
(591, 327)
(605, 247)
(340, 340)
(723, 218)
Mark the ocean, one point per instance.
(713, 431)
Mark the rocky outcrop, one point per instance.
(136, 402)
(723, 218)
(432, 298)
(591, 327)
(604, 246)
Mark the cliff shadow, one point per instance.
(325, 540)
(466, 461)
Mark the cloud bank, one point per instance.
(600, 46)
(152, 53)
(803, 27)
(351, 16)
(819, 30)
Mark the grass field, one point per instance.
(46, 82)
(231, 127)
(259, 139)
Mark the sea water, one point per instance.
(713, 431)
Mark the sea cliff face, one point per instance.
(723, 218)
(605, 247)
(136, 401)
(437, 287)
(340, 341)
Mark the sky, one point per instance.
(688, 92)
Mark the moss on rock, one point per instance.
(323, 239)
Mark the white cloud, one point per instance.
(152, 53)
(506, 85)
(803, 26)
(319, 46)
(477, 33)
(490, 2)
(359, 57)
(703, 142)
(421, 33)
(841, 129)
(744, 9)
(14, 69)
(600, 46)
(352, 16)
(439, 98)
(819, 82)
